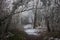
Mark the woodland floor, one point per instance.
(46, 36)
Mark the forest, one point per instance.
(29, 19)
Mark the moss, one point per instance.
(18, 36)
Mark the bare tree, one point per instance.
(35, 17)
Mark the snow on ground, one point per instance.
(29, 26)
(31, 31)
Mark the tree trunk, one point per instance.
(47, 23)
(35, 16)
